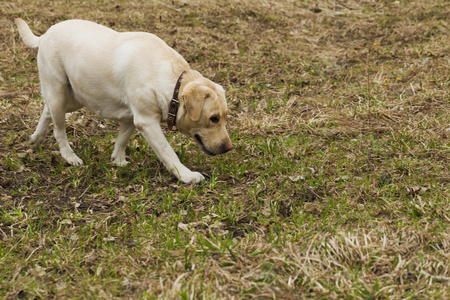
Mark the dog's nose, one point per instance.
(227, 146)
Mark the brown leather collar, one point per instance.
(174, 103)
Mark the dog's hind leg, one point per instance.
(41, 130)
(58, 102)
(125, 132)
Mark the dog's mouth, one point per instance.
(200, 142)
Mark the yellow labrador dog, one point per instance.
(131, 77)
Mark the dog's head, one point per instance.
(204, 115)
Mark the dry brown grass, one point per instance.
(322, 197)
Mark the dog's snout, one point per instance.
(227, 146)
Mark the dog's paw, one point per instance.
(119, 162)
(35, 140)
(74, 160)
(192, 177)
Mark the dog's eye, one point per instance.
(214, 119)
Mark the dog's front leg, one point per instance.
(152, 132)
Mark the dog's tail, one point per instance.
(27, 36)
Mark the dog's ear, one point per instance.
(194, 96)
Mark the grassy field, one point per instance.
(338, 186)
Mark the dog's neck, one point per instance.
(174, 102)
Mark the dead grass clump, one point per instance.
(318, 265)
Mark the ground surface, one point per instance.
(338, 186)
